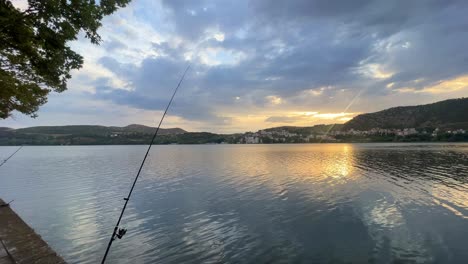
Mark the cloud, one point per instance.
(115, 45)
(447, 86)
(283, 119)
(274, 100)
(311, 118)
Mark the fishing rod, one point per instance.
(5, 160)
(120, 232)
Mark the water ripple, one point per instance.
(362, 203)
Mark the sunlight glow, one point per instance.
(332, 115)
(456, 84)
(342, 166)
(375, 71)
(305, 113)
(218, 56)
(345, 119)
(219, 37)
(446, 86)
(275, 100)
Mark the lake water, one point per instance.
(311, 203)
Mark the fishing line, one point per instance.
(5, 160)
(120, 232)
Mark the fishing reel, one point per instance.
(120, 233)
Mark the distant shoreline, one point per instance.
(213, 144)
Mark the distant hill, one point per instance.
(90, 130)
(87, 135)
(446, 114)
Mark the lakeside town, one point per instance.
(406, 134)
(137, 134)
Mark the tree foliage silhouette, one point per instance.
(34, 56)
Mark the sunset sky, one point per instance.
(258, 64)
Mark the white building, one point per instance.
(251, 140)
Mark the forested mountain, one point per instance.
(83, 135)
(448, 114)
(94, 130)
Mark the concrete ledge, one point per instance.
(20, 244)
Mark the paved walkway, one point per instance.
(20, 244)
(4, 257)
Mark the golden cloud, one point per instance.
(445, 86)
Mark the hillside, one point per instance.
(446, 114)
(94, 130)
(84, 135)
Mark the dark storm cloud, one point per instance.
(382, 17)
(288, 47)
(193, 18)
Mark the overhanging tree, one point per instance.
(34, 56)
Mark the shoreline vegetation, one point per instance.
(217, 139)
(445, 121)
(88, 135)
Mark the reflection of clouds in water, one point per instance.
(218, 238)
(210, 237)
(408, 193)
(84, 226)
(386, 215)
(214, 237)
(391, 232)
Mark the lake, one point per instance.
(304, 203)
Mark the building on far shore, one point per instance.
(282, 135)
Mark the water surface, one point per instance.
(311, 203)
